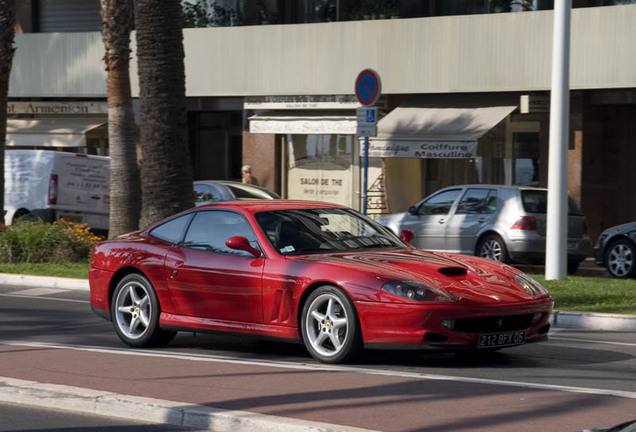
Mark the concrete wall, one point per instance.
(475, 53)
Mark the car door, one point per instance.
(475, 210)
(428, 219)
(207, 279)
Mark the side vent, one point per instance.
(452, 271)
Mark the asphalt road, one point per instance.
(577, 380)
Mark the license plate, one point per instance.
(494, 340)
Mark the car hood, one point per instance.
(630, 226)
(470, 280)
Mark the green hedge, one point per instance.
(39, 242)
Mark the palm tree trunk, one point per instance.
(125, 188)
(7, 36)
(166, 168)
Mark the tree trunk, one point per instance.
(7, 36)
(166, 168)
(125, 188)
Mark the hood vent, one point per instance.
(452, 271)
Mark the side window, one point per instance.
(439, 204)
(204, 194)
(210, 229)
(478, 201)
(172, 231)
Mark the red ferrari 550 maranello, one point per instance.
(311, 272)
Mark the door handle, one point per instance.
(173, 274)
(441, 221)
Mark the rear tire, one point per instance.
(22, 215)
(493, 247)
(135, 313)
(620, 259)
(573, 266)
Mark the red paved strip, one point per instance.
(346, 398)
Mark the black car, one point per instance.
(615, 250)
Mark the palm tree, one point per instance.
(7, 36)
(125, 188)
(166, 168)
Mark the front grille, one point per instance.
(493, 324)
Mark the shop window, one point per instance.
(525, 152)
(320, 167)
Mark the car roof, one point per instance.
(255, 206)
(518, 187)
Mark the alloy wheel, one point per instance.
(133, 310)
(327, 325)
(620, 260)
(491, 249)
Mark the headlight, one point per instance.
(417, 291)
(533, 287)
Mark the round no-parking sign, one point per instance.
(368, 87)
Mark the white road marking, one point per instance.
(593, 341)
(328, 368)
(41, 291)
(17, 294)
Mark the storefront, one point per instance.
(70, 126)
(319, 147)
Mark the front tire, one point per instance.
(330, 326)
(621, 259)
(493, 247)
(135, 313)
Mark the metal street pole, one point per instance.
(556, 236)
(365, 175)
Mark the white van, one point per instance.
(51, 185)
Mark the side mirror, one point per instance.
(412, 210)
(406, 236)
(242, 244)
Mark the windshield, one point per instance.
(314, 231)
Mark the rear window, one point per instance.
(536, 201)
(246, 192)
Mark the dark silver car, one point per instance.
(615, 250)
(209, 191)
(504, 223)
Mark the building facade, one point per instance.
(465, 98)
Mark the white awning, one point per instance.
(304, 122)
(50, 132)
(449, 133)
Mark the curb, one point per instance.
(593, 321)
(44, 282)
(150, 410)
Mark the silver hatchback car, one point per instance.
(504, 223)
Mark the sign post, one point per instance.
(367, 88)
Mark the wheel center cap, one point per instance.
(328, 325)
(137, 310)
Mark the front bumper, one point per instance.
(448, 326)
